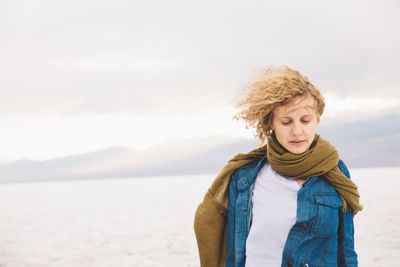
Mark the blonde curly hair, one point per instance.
(269, 88)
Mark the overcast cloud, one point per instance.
(162, 57)
(179, 59)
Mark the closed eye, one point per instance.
(288, 122)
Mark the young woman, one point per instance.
(287, 203)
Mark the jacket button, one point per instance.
(290, 263)
(303, 225)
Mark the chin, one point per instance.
(297, 150)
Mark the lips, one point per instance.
(301, 142)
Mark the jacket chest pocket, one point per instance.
(327, 217)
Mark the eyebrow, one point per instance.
(284, 116)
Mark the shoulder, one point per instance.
(248, 169)
(319, 184)
(343, 168)
(244, 176)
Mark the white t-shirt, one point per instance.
(274, 213)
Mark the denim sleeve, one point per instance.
(347, 257)
(230, 260)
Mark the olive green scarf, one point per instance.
(320, 159)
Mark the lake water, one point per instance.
(149, 221)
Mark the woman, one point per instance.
(289, 202)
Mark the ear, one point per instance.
(271, 122)
(271, 125)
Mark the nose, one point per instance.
(297, 129)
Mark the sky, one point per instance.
(80, 76)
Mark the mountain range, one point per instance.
(368, 143)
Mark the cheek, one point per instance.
(311, 130)
(281, 133)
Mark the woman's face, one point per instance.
(295, 124)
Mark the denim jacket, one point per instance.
(323, 235)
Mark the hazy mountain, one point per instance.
(114, 161)
(372, 143)
(367, 143)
